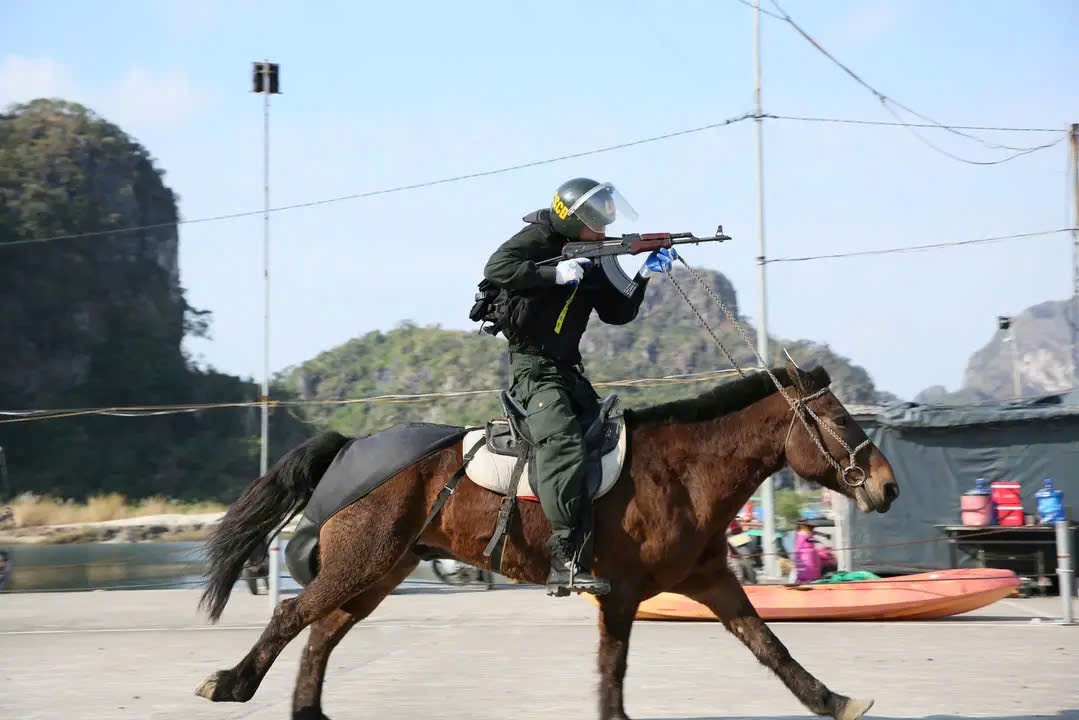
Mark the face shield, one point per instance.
(601, 206)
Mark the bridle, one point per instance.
(799, 406)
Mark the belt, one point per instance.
(577, 367)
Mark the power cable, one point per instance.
(901, 123)
(750, 5)
(953, 156)
(917, 248)
(886, 100)
(402, 188)
(14, 416)
(389, 190)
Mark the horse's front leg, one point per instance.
(725, 597)
(616, 613)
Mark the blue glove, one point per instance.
(658, 261)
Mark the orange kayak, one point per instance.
(924, 596)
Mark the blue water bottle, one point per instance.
(1050, 503)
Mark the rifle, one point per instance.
(608, 248)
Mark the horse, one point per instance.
(689, 466)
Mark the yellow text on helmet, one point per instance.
(559, 207)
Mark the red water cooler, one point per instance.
(1009, 502)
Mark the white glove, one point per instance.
(570, 272)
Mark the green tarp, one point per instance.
(938, 452)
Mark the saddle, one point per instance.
(504, 462)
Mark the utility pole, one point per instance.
(265, 81)
(1008, 325)
(1074, 135)
(768, 504)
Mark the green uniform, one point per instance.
(548, 380)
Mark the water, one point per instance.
(125, 566)
(111, 566)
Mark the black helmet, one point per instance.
(582, 202)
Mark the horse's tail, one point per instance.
(263, 506)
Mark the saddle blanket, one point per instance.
(494, 470)
(361, 466)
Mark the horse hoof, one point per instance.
(218, 688)
(853, 709)
(308, 713)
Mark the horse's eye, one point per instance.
(841, 421)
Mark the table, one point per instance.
(1012, 544)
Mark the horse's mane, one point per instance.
(725, 398)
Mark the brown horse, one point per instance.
(690, 466)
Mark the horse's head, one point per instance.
(834, 450)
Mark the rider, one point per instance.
(545, 360)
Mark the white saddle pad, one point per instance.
(493, 471)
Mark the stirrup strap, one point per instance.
(505, 511)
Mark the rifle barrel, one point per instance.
(607, 244)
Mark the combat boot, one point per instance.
(571, 571)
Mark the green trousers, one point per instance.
(559, 399)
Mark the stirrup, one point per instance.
(598, 586)
(557, 590)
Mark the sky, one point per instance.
(379, 95)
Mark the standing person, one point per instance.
(550, 307)
(809, 558)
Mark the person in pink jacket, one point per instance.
(809, 557)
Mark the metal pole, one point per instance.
(1065, 570)
(1017, 386)
(1074, 135)
(841, 536)
(273, 581)
(768, 503)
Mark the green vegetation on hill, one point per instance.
(98, 322)
(666, 339)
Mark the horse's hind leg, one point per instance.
(329, 631)
(728, 601)
(358, 547)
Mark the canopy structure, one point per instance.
(938, 452)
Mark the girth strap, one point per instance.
(450, 485)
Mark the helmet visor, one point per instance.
(601, 206)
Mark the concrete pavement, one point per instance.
(515, 653)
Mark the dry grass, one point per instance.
(35, 510)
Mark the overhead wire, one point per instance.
(887, 102)
(14, 416)
(763, 11)
(953, 156)
(458, 178)
(387, 190)
(918, 248)
(903, 123)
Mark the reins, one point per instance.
(799, 405)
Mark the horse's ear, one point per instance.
(801, 380)
(790, 359)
